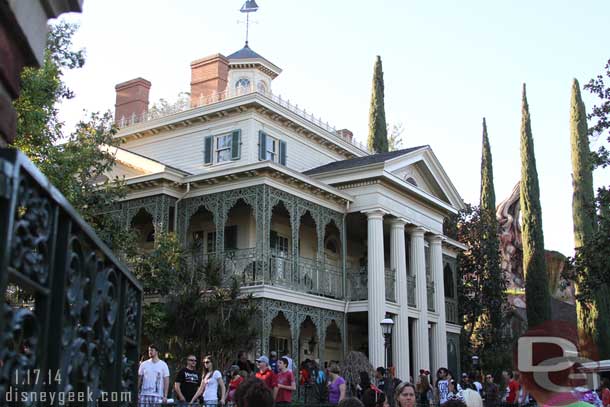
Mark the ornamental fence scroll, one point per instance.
(71, 312)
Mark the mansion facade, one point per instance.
(329, 238)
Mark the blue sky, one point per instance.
(447, 64)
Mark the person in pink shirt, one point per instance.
(285, 384)
(605, 392)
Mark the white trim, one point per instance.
(283, 294)
(235, 102)
(453, 328)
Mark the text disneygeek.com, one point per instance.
(63, 398)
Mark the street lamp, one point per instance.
(475, 362)
(386, 329)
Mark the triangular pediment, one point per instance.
(422, 169)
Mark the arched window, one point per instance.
(331, 246)
(261, 87)
(411, 181)
(242, 83)
(448, 281)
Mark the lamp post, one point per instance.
(386, 329)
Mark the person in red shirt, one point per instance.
(513, 388)
(605, 392)
(285, 384)
(236, 380)
(265, 373)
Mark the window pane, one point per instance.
(223, 155)
(223, 141)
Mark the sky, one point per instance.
(447, 64)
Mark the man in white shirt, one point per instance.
(153, 379)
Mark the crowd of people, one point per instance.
(271, 381)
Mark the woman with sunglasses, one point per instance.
(211, 381)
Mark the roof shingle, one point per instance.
(360, 161)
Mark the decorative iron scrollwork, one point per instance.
(32, 232)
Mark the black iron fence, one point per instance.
(71, 312)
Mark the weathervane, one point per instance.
(249, 6)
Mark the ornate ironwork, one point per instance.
(156, 206)
(71, 311)
(296, 314)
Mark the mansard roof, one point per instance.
(361, 161)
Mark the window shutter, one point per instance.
(282, 152)
(262, 146)
(236, 145)
(273, 239)
(231, 237)
(207, 150)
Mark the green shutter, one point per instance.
(273, 239)
(236, 145)
(262, 146)
(207, 150)
(282, 152)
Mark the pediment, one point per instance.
(422, 169)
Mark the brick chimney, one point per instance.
(345, 134)
(209, 75)
(131, 98)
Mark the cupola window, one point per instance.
(242, 84)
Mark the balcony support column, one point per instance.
(439, 339)
(417, 262)
(376, 285)
(401, 329)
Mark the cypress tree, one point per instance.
(378, 132)
(591, 322)
(537, 296)
(495, 285)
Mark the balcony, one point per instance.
(390, 285)
(411, 296)
(312, 277)
(451, 311)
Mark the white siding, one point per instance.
(183, 148)
(301, 153)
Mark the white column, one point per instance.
(417, 261)
(439, 354)
(398, 263)
(376, 286)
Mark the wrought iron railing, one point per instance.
(411, 291)
(71, 311)
(390, 285)
(430, 293)
(357, 289)
(331, 281)
(309, 275)
(451, 311)
(232, 93)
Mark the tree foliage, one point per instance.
(537, 295)
(198, 311)
(378, 132)
(395, 139)
(73, 163)
(481, 296)
(494, 286)
(590, 267)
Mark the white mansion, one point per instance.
(328, 237)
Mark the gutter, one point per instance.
(188, 189)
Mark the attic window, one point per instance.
(242, 83)
(411, 181)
